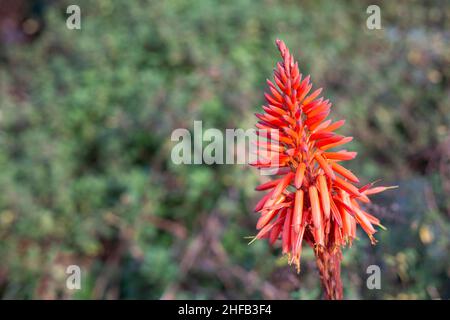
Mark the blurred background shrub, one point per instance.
(85, 123)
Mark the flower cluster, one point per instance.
(314, 199)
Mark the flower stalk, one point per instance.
(329, 265)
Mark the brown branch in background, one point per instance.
(438, 161)
(192, 251)
(250, 279)
(172, 227)
(217, 262)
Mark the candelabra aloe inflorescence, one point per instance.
(314, 199)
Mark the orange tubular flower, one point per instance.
(315, 200)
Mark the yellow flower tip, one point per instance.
(382, 227)
(391, 187)
(251, 237)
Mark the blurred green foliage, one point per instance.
(85, 123)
